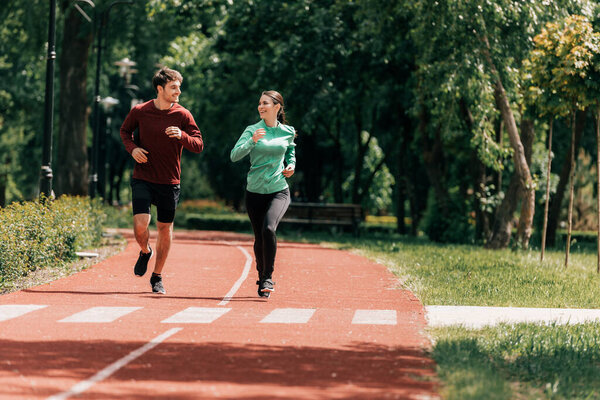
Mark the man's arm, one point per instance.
(191, 137)
(127, 128)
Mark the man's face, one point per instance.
(170, 93)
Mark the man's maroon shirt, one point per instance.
(164, 153)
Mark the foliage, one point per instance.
(41, 234)
(454, 227)
(560, 66)
(379, 198)
(22, 67)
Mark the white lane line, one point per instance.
(241, 279)
(375, 317)
(196, 315)
(289, 316)
(114, 367)
(100, 314)
(10, 311)
(477, 317)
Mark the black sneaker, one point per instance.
(156, 283)
(141, 266)
(267, 286)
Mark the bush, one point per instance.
(38, 235)
(450, 227)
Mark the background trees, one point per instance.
(416, 109)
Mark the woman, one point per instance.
(270, 144)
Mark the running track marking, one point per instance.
(196, 315)
(289, 316)
(204, 315)
(375, 317)
(242, 278)
(10, 311)
(112, 368)
(100, 314)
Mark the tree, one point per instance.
(564, 58)
(22, 62)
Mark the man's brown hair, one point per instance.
(164, 76)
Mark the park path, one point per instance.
(337, 327)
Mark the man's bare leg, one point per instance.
(163, 244)
(141, 232)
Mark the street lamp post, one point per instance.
(46, 172)
(103, 20)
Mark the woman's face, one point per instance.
(267, 109)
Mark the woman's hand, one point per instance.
(139, 155)
(288, 171)
(258, 134)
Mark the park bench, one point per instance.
(325, 214)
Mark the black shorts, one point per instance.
(164, 197)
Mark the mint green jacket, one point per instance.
(267, 157)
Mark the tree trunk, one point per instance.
(400, 200)
(503, 222)
(401, 183)
(333, 129)
(571, 190)
(362, 148)
(557, 199)
(547, 200)
(72, 157)
(522, 171)
(525, 226)
(479, 178)
(433, 158)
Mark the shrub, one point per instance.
(42, 234)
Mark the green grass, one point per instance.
(524, 361)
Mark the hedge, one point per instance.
(41, 234)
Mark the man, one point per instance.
(165, 128)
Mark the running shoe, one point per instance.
(156, 283)
(261, 293)
(141, 266)
(267, 286)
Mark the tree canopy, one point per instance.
(434, 111)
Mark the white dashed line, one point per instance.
(196, 315)
(10, 311)
(100, 314)
(289, 316)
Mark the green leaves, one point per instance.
(561, 64)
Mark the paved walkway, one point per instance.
(337, 327)
(477, 317)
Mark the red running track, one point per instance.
(337, 327)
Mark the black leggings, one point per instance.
(265, 212)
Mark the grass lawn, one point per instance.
(523, 361)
